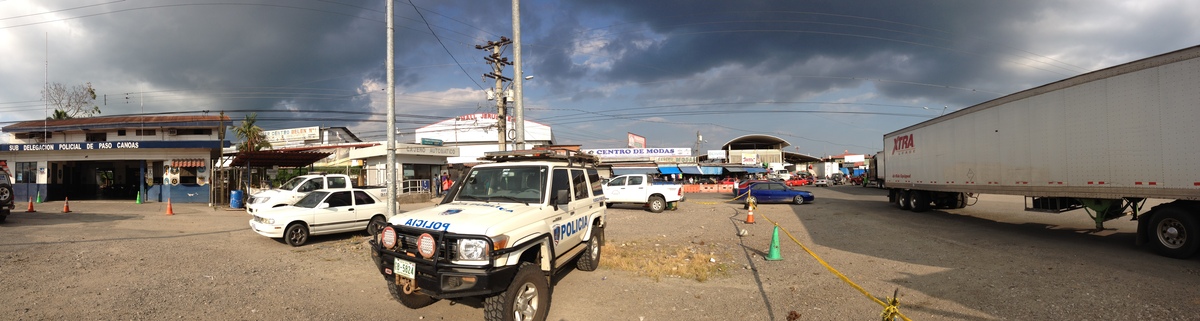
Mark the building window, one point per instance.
(43, 136)
(193, 131)
(120, 132)
(145, 132)
(26, 172)
(97, 137)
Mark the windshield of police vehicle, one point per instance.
(291, 183)
(311, 200)
(519, 184)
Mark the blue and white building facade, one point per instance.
(152, 158)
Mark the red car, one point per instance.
(729, 181)
(797, 181)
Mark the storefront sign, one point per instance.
(716, 154)
(109, 145)
(427, 150)
(292, 134)
(639, 152)
(673, 160)
(749, 159)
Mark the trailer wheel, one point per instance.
(903, 200)
(962, 200)
(1174, 233)
(920, 201)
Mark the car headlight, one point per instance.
(265, 220)
(472, 250)
(257, 200)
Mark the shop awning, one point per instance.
(189, 162)
(735, 169)
(669, 170)
(711, 170)
(693, 170)
(268, 158)
(755, 170)
(634, 170)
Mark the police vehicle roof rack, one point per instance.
(571, 156)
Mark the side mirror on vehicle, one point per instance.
(562, 198)
(322, 206)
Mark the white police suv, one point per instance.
(501, 232)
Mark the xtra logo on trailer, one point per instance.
(903, 145)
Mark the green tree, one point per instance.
(252, 136)
(59, 114)
(74, 102)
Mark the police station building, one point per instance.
(154, 158)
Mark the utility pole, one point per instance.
(391, 112)
(498, 64)
(518, 83)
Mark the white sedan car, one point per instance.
(322, 212)
(821, 182)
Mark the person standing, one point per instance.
(446, 182)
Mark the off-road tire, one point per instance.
(376, 224)
(295, 234)
(6, 194)
(1185, 239)
(657, 204)
(416, 300)
(590, 259)
(529, 281)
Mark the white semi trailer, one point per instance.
(1104, 141)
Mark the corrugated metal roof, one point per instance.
(114, 122)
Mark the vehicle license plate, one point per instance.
(405, 268)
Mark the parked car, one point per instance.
(821, 182)
(324, 211)
(776, 192)
(729, 181)
(743, 185)
(295, 189)
(797, 181)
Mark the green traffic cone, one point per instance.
(39, 197)
(139, 197)
(773, 254)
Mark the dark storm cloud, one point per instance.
(769, 37)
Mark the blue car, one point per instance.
(775, 192)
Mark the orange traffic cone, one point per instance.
(750, 215)
(169, 210)
(66, 205)
(30, 210)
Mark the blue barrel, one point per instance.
(235, 199)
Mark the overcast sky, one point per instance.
(827, 76)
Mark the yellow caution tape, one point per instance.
(891, 308)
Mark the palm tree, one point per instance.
(59, 114)
(252, 135)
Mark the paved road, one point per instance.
(991, 261)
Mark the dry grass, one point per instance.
(699, 262)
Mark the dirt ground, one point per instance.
(991, 261)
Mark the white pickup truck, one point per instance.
(640, 189)
(295, 189)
